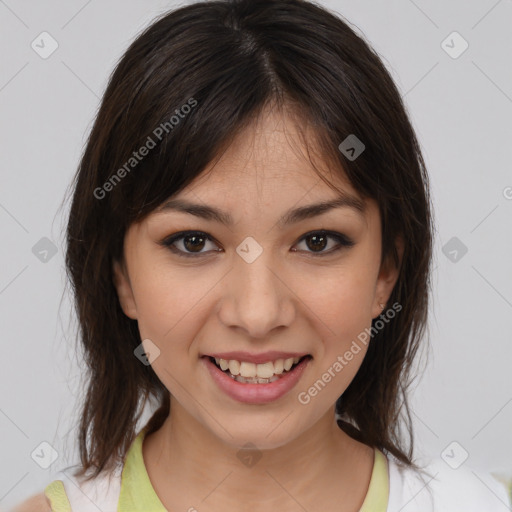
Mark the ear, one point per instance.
(388, 276)
(124, 290)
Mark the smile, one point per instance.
(256, 383)
(243, 371)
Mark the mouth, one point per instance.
(250, 373)
(252, 383)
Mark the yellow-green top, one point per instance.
(137, 493)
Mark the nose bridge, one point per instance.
(255, 298)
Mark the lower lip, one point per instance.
(256, 393)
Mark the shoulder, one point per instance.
(37, 503)
(88, 495)
(440, 488)
(67, 492)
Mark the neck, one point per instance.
(185, 459)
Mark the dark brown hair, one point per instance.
(228, 60)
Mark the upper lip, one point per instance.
(262, 357)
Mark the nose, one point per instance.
(257, 298)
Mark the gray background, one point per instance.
(461, 109)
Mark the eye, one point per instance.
(319, 240)
(194, 241)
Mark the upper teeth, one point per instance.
(264, 370)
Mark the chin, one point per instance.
(265, 436)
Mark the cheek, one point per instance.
(171, 306)
(339, 304)
(339, 299)
(341, 313)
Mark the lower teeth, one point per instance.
(253, 380)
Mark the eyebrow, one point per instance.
(292, 216)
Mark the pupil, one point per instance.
(196, 245)
(318, 237)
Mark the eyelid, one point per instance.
(170, 240)
(343, 242)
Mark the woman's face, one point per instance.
(257, 284)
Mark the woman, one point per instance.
(249, 245)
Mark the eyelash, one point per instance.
(343, 241)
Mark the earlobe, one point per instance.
(124, 290)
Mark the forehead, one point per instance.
(272, 157)
(268, 175)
